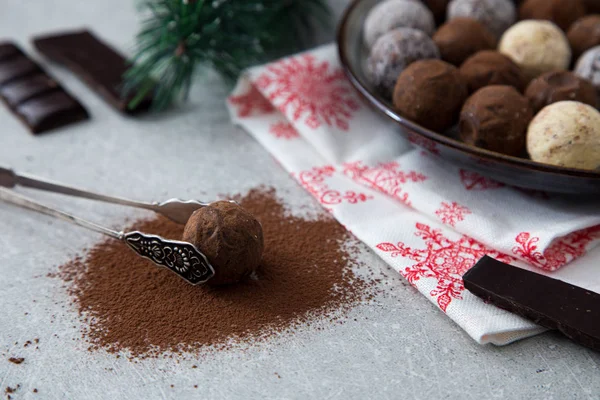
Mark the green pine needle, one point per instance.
(178, 36)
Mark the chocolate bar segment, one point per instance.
(32, 95)
(93, 61)
(549, 302)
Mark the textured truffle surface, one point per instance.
(491, 68)
(562, 12)
(584, 34)
(393, 52)
(230, 237)
(496, 118)
(497, 15)
(460, 38)
(556, 86)
(566, 134)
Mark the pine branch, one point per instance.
(179, 36)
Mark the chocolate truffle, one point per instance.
(536, 47)
(556, 86)
(392, 14)
(460, 38)
(588, 67)
(566, 134)
(496, 118)
(430, 93)
(592, 6)
(491, 68)
(562, 12)
(584, 34)
(496, 15)
(230, 238)
(393, 52)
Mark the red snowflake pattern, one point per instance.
(314, 180)
(284, 130)
(387, 178)
(473, 181)
(451, 213)
(309, 90)
(251, 103)
(442, 259)
(559, 253)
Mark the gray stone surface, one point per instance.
(400, 347)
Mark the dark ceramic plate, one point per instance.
(510, 170)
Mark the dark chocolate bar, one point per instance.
(32, 95)
(93, 61)
(549, 302)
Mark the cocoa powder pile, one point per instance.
(129, 304)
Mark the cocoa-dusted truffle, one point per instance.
(430, 93)
(496, 118)
(497, 15)
(230, 237)
(556, 86)
(460, 38)
(393, 52)
(584, 34)
(392, 14)
(491, 68)
(588, 67)
(562, 12)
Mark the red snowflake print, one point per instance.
(251, 103)
(442, 259)
(473, 181)
(424, 143)
(314, 181)
(387, 178)
(559, 253)
(284, 130)
(309, 91)
(451, 213)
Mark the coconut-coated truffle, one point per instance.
(497, 15)
(566, 134)
(491, 68)
(537, 47)
(392, 14)
(430, 93)
(460, 38)
(556, 86)
(230, 238)
(562, 12)
(496, 118)
(584, 34)
(588, 67)
(393, 52)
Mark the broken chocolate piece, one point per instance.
(549, 302)
(32, 95)
(93, 61)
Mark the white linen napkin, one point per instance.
(429, 219)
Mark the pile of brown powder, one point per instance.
(129, 304)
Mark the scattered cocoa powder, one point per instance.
(129, 304)
(16, 360)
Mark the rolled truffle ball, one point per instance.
(562, 12)
(230, 238)
(588, 67)
(536, 47)
(584, 34)
(497, 15)
(496, 118)
(556, 86)
(392, 14)
(491, 68)
(430, 93)
(395, 51)
(460, 38)
(566, 134)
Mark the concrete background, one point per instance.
(400, 347)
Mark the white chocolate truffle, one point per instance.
(588, 66)
(566, 134)
(496, 15)
(395, 51)
(537, 47)
(392, 14)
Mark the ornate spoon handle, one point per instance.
(180, 257)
